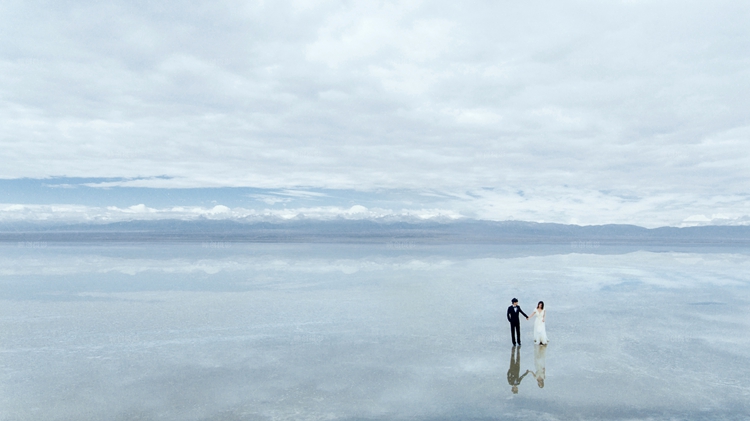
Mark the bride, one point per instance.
(540, 331)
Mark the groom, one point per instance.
(515, 325)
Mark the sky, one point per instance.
(576, 112)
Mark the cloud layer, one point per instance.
(485, 209)
(623, 111)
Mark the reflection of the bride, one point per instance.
(540, 356)
(514, 378)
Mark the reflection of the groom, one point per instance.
(514, 378)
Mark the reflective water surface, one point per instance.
(230, 331)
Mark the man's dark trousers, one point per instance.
(515, 323)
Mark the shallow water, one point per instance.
(396, 331)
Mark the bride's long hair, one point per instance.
(541, 303)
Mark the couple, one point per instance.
(540, 331)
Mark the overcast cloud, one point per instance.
(565, 111)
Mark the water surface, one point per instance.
(395, 331)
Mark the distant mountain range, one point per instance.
(368, 231)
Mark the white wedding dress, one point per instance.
(540, 331)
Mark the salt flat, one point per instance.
(391, 331)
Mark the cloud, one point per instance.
(270, 199)
(287, 196)
(92, 214)
(300, 193)
(644, 99)
(573, 207)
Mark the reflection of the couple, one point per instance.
(514, 371)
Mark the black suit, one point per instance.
(515, 324)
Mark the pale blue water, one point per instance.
(398, 331)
